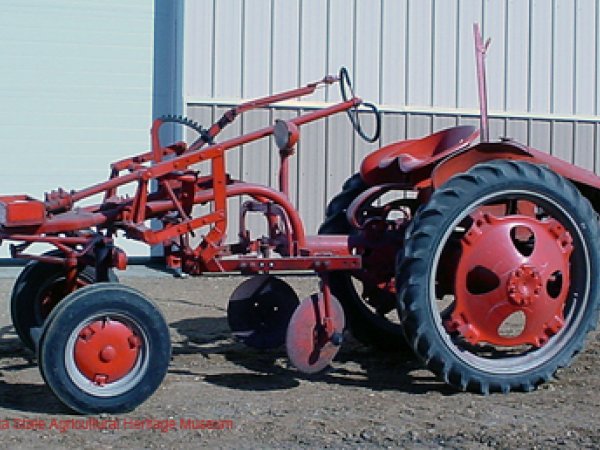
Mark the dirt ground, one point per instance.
(365, 400)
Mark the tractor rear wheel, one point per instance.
(498, 279)
(365, 323)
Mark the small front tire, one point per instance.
(104, 348)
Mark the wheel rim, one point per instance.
(544, 286)
(495, 279)
(106, 355)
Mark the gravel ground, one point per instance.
(367, 399)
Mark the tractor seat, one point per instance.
(390, 162)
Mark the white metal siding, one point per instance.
(414, 58)
(75, 90)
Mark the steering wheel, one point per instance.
(353, 112)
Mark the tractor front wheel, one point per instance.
(104, 348)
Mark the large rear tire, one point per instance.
(519, 245)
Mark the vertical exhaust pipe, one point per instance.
(480, 52)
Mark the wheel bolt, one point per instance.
(100, 379)
(86, 333)
(336, 338)
(108, 353)
(134, 341)
(524, 286)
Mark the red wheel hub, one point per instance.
(524, 286)
(513, 264)
(106, 351)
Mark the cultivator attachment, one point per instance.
(260, 309)
(21, 212)
(314, 334)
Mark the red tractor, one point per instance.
(487, 250)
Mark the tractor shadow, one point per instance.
(356, 365)
(30, 398)
(17, 393)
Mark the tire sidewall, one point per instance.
(33, 280)
(77, 309)
(417, 306)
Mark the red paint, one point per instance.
(513, 282)
(85, 235)
(309, 341)
(106, 351)
(403, 160)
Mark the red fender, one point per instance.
(507, 149)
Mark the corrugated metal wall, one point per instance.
(414, 58)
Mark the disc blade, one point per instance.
(259, 311)
(308, 349)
